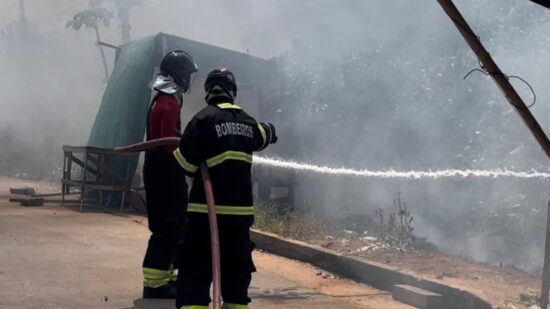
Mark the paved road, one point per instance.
(57, 257)
(54, 257)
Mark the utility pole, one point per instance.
(23, 24)
(545, 3)
(123, 14)
(546, 267)
(123, 8)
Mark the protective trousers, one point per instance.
(195, 270)
(166, 196)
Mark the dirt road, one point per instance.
(57, 257)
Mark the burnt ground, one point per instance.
(503, 286)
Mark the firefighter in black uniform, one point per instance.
(224, 137)
(165, 185)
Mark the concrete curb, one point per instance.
(378, 275)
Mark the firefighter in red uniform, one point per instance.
(224, 137)
(165, 185)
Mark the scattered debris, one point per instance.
(447, 274)
(32, 202)
(27, 201)
(23, 191)
(349, 234)
(529, 298)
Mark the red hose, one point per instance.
(214, 238)
(150, 145)
(212, 219)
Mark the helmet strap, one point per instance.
(218, 94)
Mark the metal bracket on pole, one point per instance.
(100, 43)
(500, 79)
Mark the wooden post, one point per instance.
(545, 3)
(83, 181)
(500, 79)
(63, 185)
(546, 270)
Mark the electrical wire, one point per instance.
(482, 69)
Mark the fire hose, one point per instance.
(213, 222)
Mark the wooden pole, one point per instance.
(545, 3)
(123, 10)
(23, 22)
(214, 238)
(500, 79)
(546, 270)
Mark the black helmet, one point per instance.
(223, 78)
(179, 65)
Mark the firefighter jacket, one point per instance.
(224, 137)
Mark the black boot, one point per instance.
(165, 291)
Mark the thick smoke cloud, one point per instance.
(398, 101)
(367, 84)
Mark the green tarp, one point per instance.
(121, 119)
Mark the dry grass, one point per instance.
(297, 225)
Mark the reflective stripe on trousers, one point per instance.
(222, 210)
(155, 278)
(234, 306)
(225, 306)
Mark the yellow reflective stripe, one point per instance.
(264, 136)
(154, 278)
(194, 307)
(155, 272)
(155, 283)
(234, 306)
(183, 163)
(228, 106)
(229, 155)
(222, 210)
